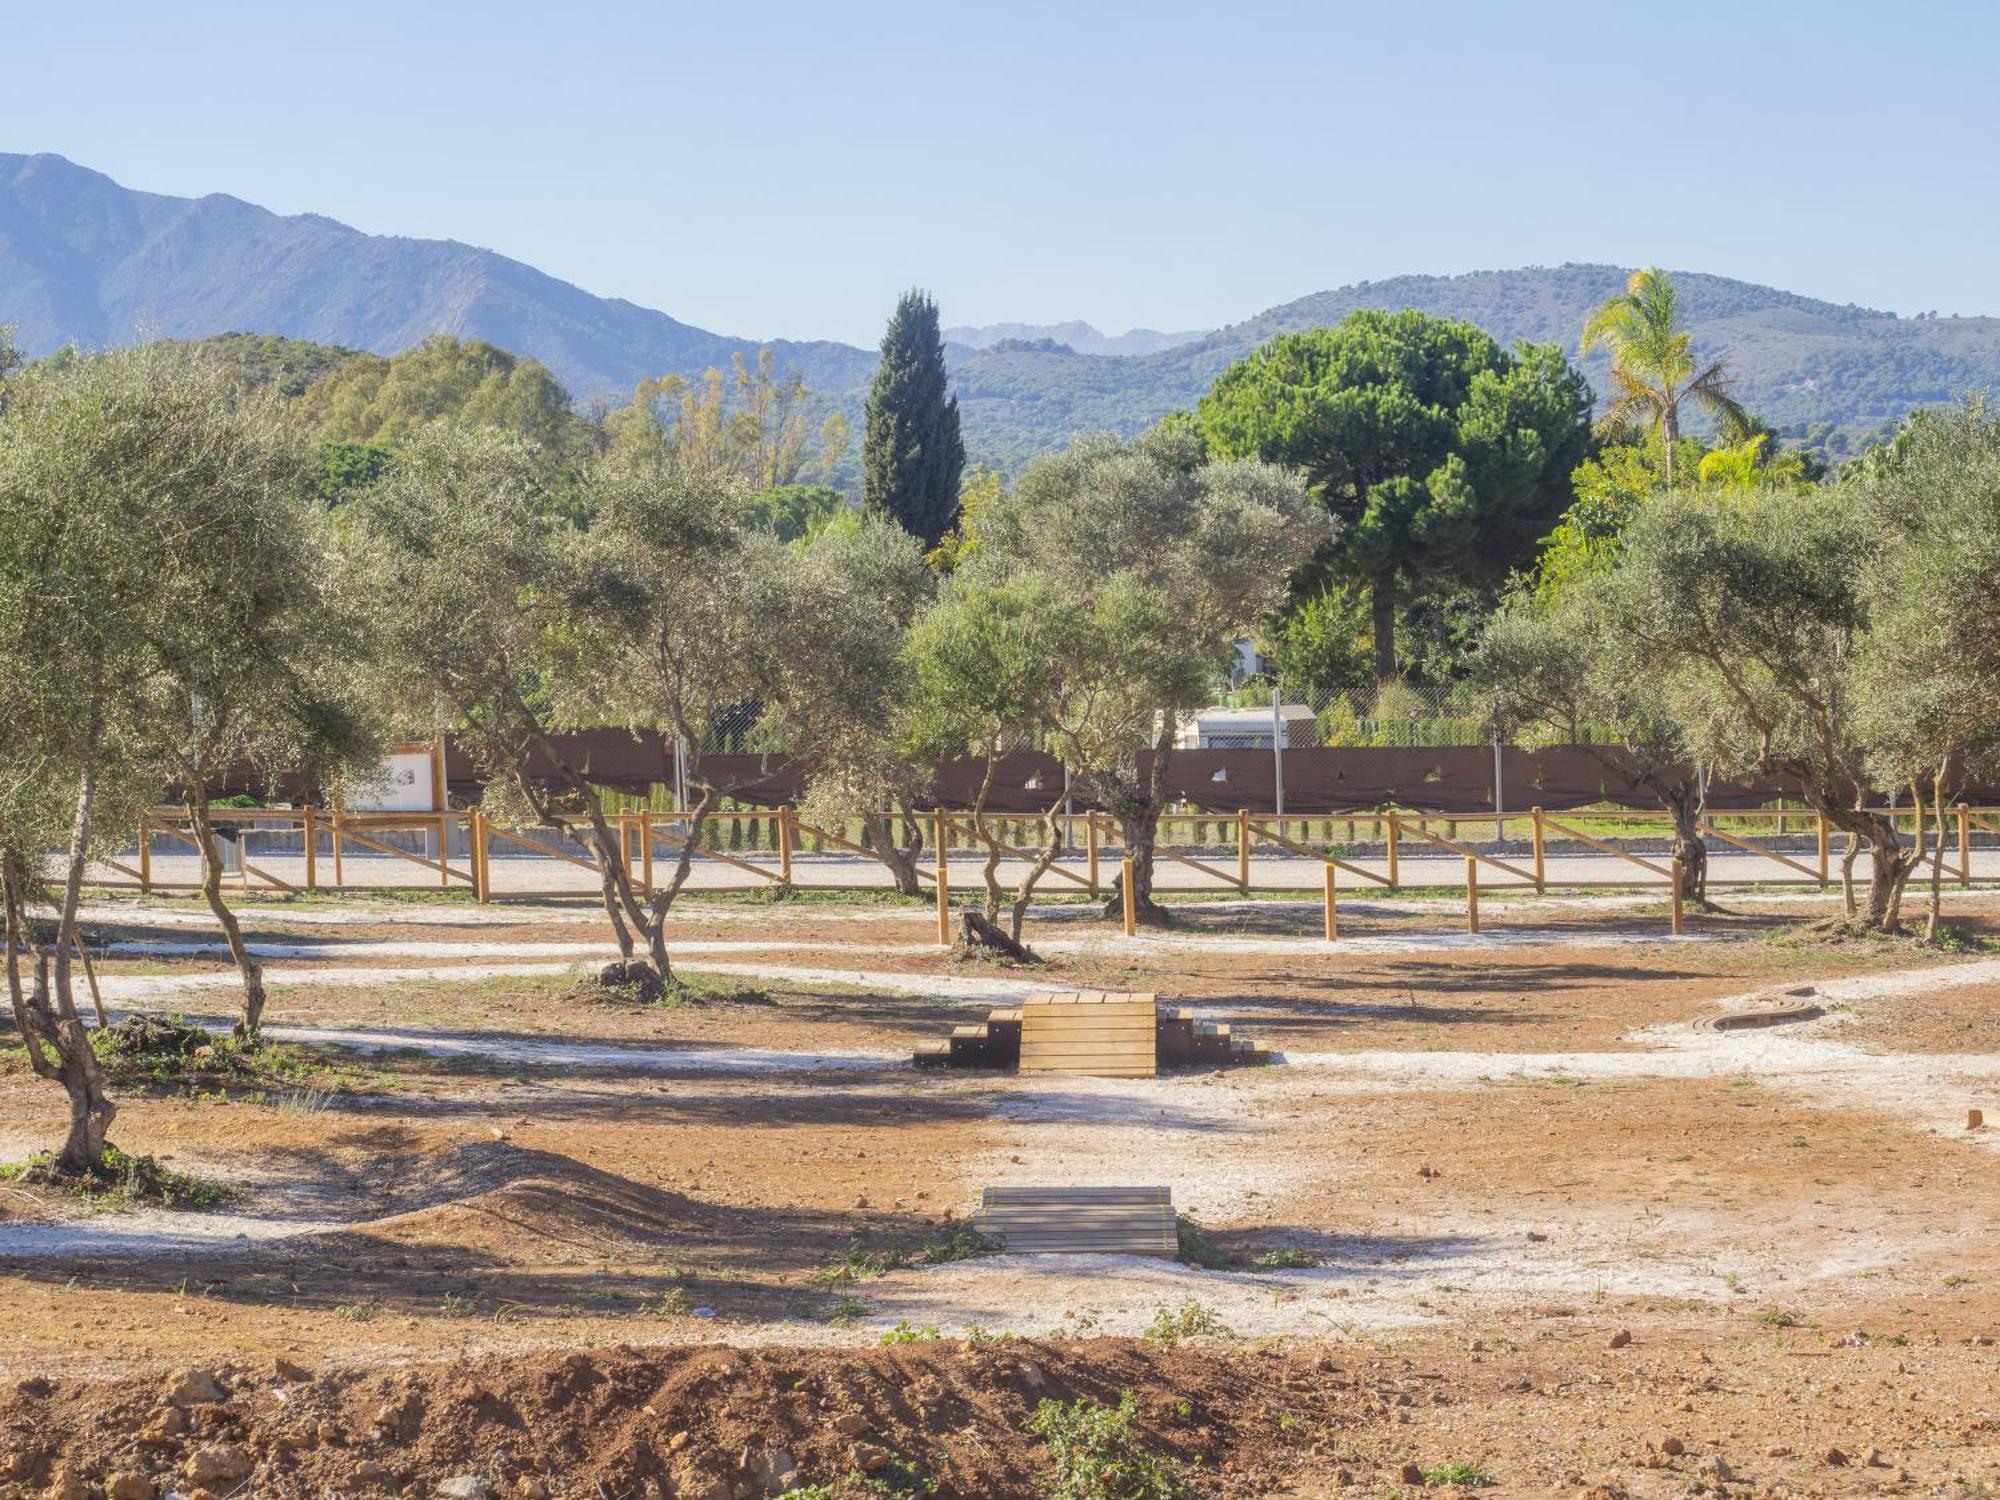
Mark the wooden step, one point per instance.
(1080, 1220)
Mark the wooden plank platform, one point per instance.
(1090, 1032)
(1081, 1220)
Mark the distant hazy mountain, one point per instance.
(1078, 336)
(82, 258)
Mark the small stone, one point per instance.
(287, 1370)
(696, 1484)
(1031, 1375)
(1873, 1459)
(1717, 1468)
(850, 1424)
(194, 1388)
(867, 1457)
(34, 1387)
(1621, 1338)
(1673, 1447)
(67, 1485)
(1777, 1450)
(126, 1485)
(217, 1463)
(466, 1487)
(1410, 1474)
(1835, 1458)
(775, 1469)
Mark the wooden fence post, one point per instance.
(312, 847)
(146, 854)
(1332, 915)
(1964, 845)
(1680, 885)
(785, 843)
(1541, 884)
(339, 872)
(1090, 846)
(1392, 849)
(1471, 894)
(943, 879)
(1131, 902)
(444, 850)
(1820, 822)
(1243, 850)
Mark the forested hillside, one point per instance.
(83, 259)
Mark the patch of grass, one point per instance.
(976, 1334)
(872, 1255)
(846, 1313)
(1191, 1320)
(1287, 1258)
(356, 1312)
(905, 1333)
(1097, 1454)
(122, 1179)
(1778, 1317)
(1195, 1246)
(1463, 1475)
(672, 1303)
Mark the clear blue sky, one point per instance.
(786, 169)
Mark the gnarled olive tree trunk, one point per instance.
(251, 1017)
(1137, 802)
(52, 1032)
(898, 858)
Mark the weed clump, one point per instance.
(1097, 1453)
(122, 1180)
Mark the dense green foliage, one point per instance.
(1441, 457)
(912, 454)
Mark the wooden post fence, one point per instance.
(1540, 883)
(146, 854)
(1820, 829)
(1680, 885)
(943, 879)
(1332, 915)
(1392, 849)
(1090, 847)
(1471, 894)
(1243, 850)
(1131, 901)
(785, 843)
(312, 848)
(1964, 846)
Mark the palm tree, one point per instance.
(1652, 362)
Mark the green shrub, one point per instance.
(1097, 1454)
(1191, 1320)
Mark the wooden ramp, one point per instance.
(1179, 1040)
(1081, 1220)
(1089, 1031)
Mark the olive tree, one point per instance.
(687, 621)
(469, 548)
(1746, 611)
(246, 652)
(1557, 673)
(1928, 670)
(1211, 545)
(99, 458)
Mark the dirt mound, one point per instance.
(146, 1037)
(499, 1196)
(711, 1422)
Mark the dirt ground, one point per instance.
(1505, 1211)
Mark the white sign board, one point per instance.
(403, 785)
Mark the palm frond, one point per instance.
(1714, 391)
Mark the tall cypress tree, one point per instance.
(912, 454)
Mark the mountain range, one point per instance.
(84, 259)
